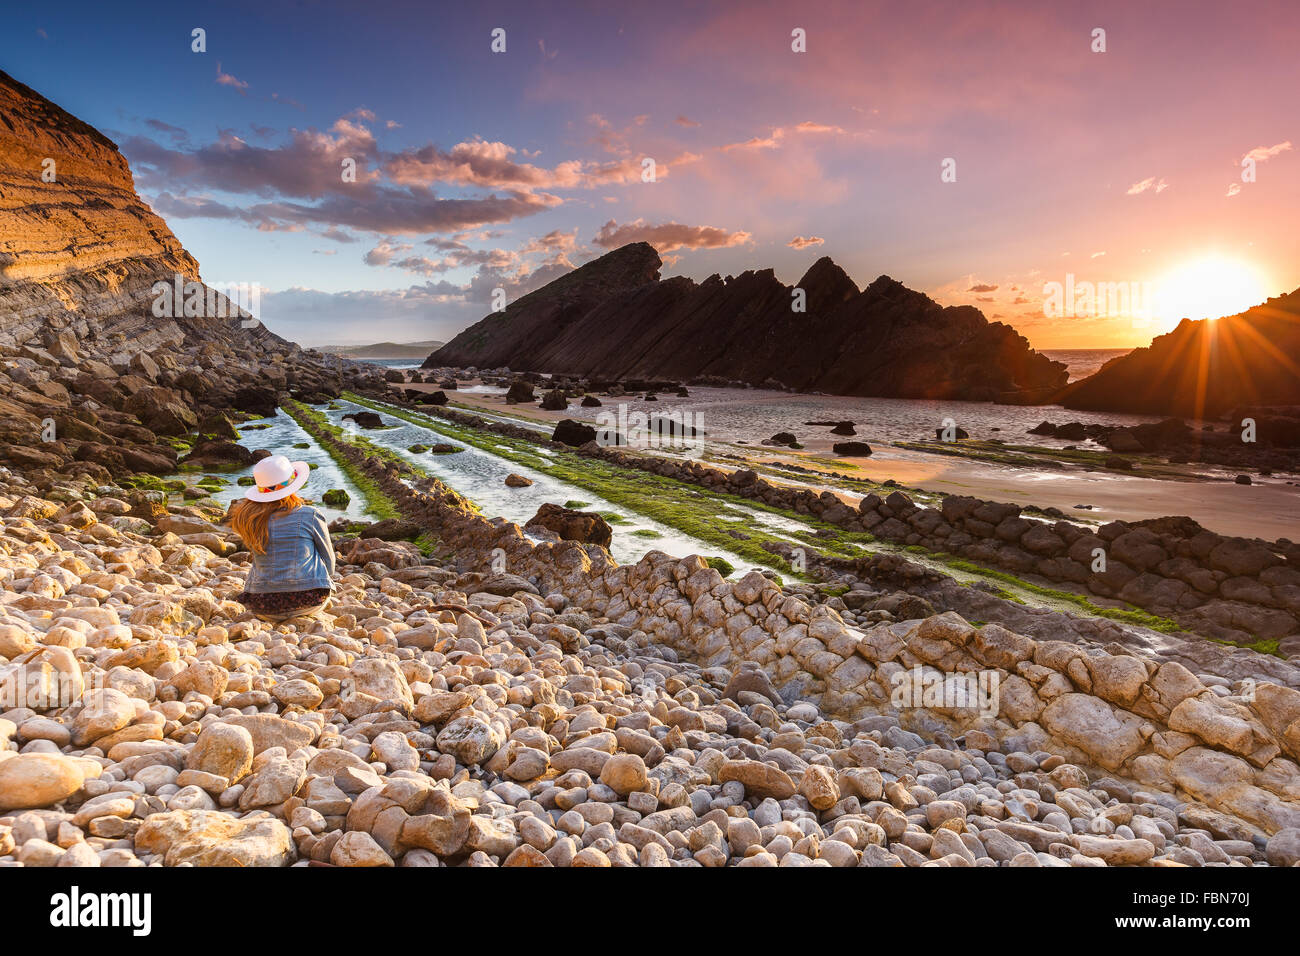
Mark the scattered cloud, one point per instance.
(1261, 153)
(491, 164)
(684, 121)
(555, 242)
(226, 79)
(392, 194)
(803, 242)
(668, 236)
(982, 287)
(383, 253)
(778, 134)
(810, 127)
(475, 163)
(1150, 183)
(174, 133)
(443, 244)
(338, 235)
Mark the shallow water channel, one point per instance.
(279, 437)
(480, 476)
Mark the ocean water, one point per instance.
(1083, 362)
(393, 362)
(1080, 362)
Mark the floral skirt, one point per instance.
(282, 602)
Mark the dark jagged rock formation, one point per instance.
(614, 318)
(1204, 368)
(91, 374)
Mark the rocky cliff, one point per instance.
(91, 373)
(614, 318)
(1204, 368)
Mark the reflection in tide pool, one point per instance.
(480, 476)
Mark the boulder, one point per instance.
(210, 838)
(1122, 440)
(41, 779)
(365, 419)
(223, 749)
(576, 434)
(851, 449)
(260, 400)
(758, 778)
(519, 392)
(218, 425)
(219, 453)
(584, 526)
(471, 740)
(162, 411)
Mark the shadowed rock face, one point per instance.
(615, 318)
(1204, 367)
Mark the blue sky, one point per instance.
(479, 170)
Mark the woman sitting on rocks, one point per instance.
(293, 557)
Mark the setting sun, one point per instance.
(1207, 288)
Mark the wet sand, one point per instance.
(1268, 509)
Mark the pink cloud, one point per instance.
(668, 236)
(225, 79)
(1150, 183)
(778, 136)
(382, 254)
(310, 166)
(1262, 153)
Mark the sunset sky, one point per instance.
(478, 170)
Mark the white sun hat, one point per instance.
(277, 477)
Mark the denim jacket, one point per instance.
(299, 555)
